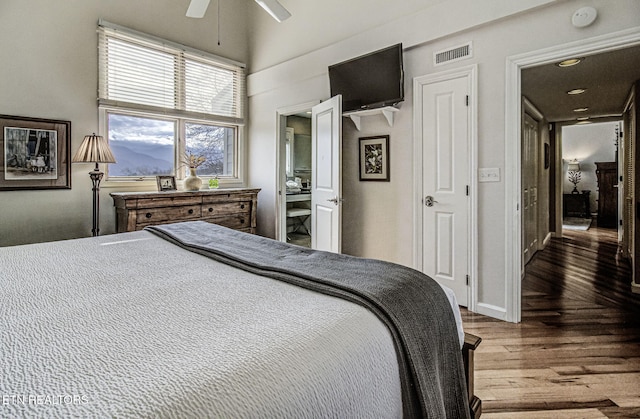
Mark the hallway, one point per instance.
(576, 353)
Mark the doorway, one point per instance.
(309, 204)
(293, 215)
(590, 156)
(298, 183)
(513, 172)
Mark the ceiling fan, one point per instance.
(197, 9)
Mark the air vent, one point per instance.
(453, 54)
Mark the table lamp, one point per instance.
(573, 170)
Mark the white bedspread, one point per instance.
(132, 326)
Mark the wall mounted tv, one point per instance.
(370, 81)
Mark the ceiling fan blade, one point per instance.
(197, 8)
(275, 9)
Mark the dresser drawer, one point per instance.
(152, 215)
(226, 208)
(166, 201)
(237, 222)
(220, 198)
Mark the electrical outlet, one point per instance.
(489, 175)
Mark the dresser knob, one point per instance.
(210, 209)
(242, 221)
(242, 206)
(191, 211)
(148, 215)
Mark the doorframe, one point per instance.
(281, 175)
(513, 129)
(471, 73)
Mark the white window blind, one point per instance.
(139, 71)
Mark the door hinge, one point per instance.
(467, 100)
(467, 279)
(467, 190)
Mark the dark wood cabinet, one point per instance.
(233, 208)
(607, 174)
(576, 204)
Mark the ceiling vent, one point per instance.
(458, 53)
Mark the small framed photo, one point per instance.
(166, 183)
(35, 153)
(374, 158)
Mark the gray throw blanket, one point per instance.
(412, 305)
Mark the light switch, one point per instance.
(489, 174)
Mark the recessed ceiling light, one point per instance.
(582, 122)
(576, 91)
(581, 109)
(582, 118)
(569, 62)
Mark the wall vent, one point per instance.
(458, 53)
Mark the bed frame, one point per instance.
(471, 342)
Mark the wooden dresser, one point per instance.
(233, 208)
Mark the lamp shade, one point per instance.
(574, 166)
(94, 149)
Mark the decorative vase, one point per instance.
(192, 182)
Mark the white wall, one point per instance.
(377, 216)
(589, 143)
(316, 24)
(49, 70)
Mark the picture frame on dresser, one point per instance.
(35, 153)
(166, 183)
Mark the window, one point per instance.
(148, 146)
(142, 146)
(159, 100)
(214, 142)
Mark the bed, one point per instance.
(197, 320)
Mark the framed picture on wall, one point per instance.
(374, 158)
(35, 153)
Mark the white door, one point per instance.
(326, 175)
(529, 188)
(443, 122)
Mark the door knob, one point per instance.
(429, 201)
(335, 200)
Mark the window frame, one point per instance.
(234, 180)
(180, 117)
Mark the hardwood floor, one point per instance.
(576, 353)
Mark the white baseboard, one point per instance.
(489, 310)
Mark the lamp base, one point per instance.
(96, 176)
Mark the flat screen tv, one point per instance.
(370, 81)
